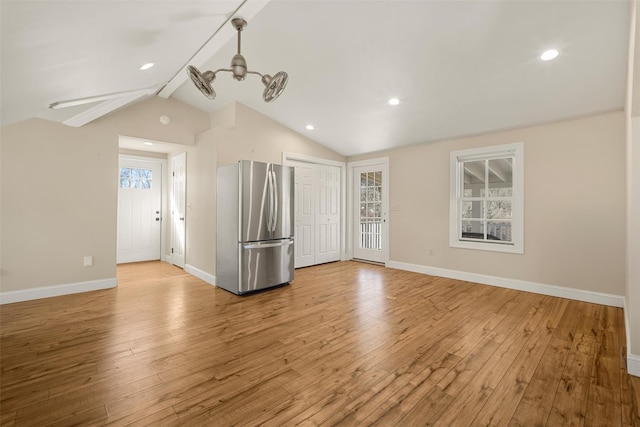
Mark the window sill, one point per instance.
(492, 247)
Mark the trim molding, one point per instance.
(633, 360)
(520, 285)
(200, 274)
(57, 290)
(633, 364)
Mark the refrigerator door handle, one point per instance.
(270, 200)
(274, 212)
(266, 245)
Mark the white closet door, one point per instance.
(328, 214)
(304, 215)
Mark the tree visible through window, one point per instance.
(135, 178)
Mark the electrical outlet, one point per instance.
(88, 261)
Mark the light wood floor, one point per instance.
(345, 344)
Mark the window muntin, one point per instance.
(487, 199)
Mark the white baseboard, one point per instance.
(633, 360)
(520, 285)
(200, 274)
(633, 364)
(57, 290)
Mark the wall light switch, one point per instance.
(88, 261)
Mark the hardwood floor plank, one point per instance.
(501, 405)
(634, 385)
(163, 417)
(471, 400)
(567, 411)
(427, 410)
(536, 404)
(603, 406)
(346, 343)
(400, 407)
(321, 405)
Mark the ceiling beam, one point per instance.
(475, 170)
(105, 108)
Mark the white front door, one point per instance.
(370, 212)
(178, 207)
(139, 210)
(328, 214)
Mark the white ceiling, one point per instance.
(458, 67)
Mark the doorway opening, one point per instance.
(369, 210)
(147, 201)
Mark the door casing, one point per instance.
(292, 159)
(163, 203)
(353, 198)
(178, 209)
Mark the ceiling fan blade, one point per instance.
(107, 96)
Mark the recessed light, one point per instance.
(146, 66)
(148, 143)
(548, 55)
(309, 127)
(393, 101)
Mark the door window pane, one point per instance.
(135, 178)
(371, 210)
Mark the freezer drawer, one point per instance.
(265, 264)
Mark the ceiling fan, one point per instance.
(274, 86)
(106, 103)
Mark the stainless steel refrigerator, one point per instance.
(254, 226)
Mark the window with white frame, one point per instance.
(487, 198)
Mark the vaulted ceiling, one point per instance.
(457, 67)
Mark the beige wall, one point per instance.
(239, 133)
(59, 191)
(58, 204)
(574, 206)
(201, 208)
(256, 137)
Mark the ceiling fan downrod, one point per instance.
(238, 63)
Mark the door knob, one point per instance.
(157, 219)
(182, 219)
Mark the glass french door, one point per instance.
(370, 212)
